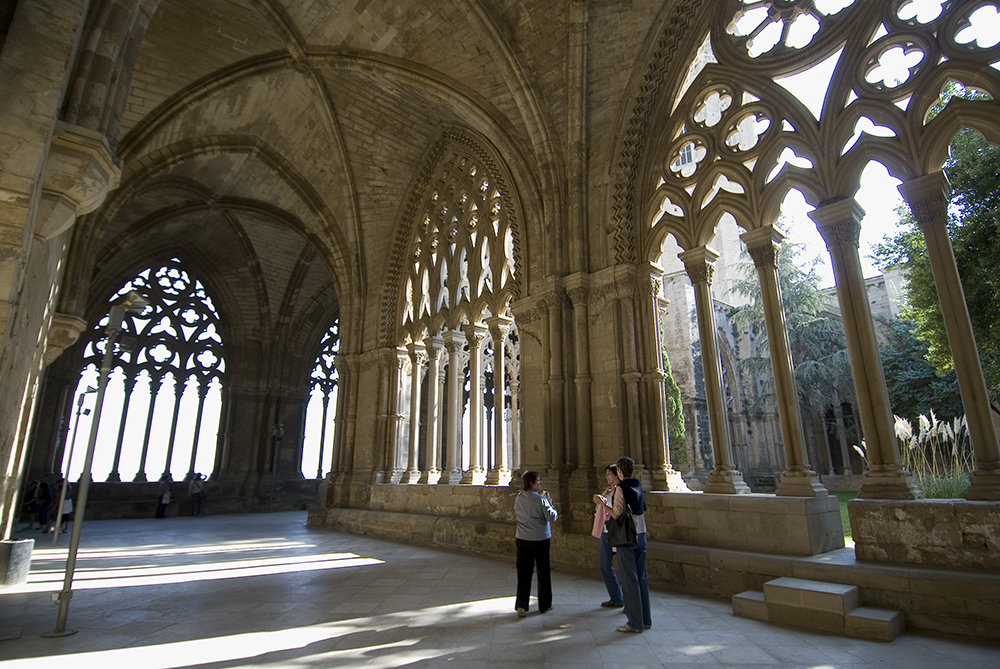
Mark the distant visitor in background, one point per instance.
(67, 508)
(30, 507)
(534, 513)
(197, 490)
(43, 504)
(606, 553)
(164, 499)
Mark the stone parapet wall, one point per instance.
(950, 533)
(760, 523)
(492, 503)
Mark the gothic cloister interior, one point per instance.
(396, 253)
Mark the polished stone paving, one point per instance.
(267, 591)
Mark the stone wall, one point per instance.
(950, 533)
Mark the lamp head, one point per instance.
(133, 303)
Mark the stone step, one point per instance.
(826, 607)
(866, 622)
(817, 595)
(750, 604)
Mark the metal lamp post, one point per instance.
(69, 461)
(133, 303)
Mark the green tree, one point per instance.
(915, 387)
(974, 171)
(675, 416)
(815, 337)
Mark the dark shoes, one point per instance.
(631, 630)
(545, 610)
(611, 605)
(521, 613)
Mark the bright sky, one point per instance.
(877, 196)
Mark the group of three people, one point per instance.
(535, 513)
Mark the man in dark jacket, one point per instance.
(632, 559)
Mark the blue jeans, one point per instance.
(608, 572)
(635, 584)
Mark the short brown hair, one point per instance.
(529, 479)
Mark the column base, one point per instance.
(984, 485)
(668, 480)
(114, 477)
(895, 483)
(430, 477)
(473, 477)
(412, 477)
(140, 478)
(801, 484)
(498, 477)
(396, 476)
(721, 482)
(451, 477)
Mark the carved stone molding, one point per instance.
(64, 330)
(80, 170)
(609, 285)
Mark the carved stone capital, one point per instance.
(839, 223)
(763, 245)
(928, 197)
(475, 335)
(434, 347)
(499, 327)
(453, 341)
(577, 288)
(418, 355)
(699, 263)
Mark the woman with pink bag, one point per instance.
(606, 551)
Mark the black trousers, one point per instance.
(529, 554)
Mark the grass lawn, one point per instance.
(844, 497)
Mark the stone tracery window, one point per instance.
(455, 328)
(322, 408)
(164, 398)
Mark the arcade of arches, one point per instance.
(473, 199)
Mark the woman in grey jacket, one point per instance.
(534, 513)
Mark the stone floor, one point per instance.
(267, 591)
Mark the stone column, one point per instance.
(500, 474)
(515, 421)
(631, 376)
(724, 477)
(115, 475)
(453, 341)
(662, 472)
(839, 224)
(433, 347)
(418, 356)
(202, 391)
(474, 335)
(798, 479)
(928, 199)
(578, 289)
(395, 470)
(557, 382)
